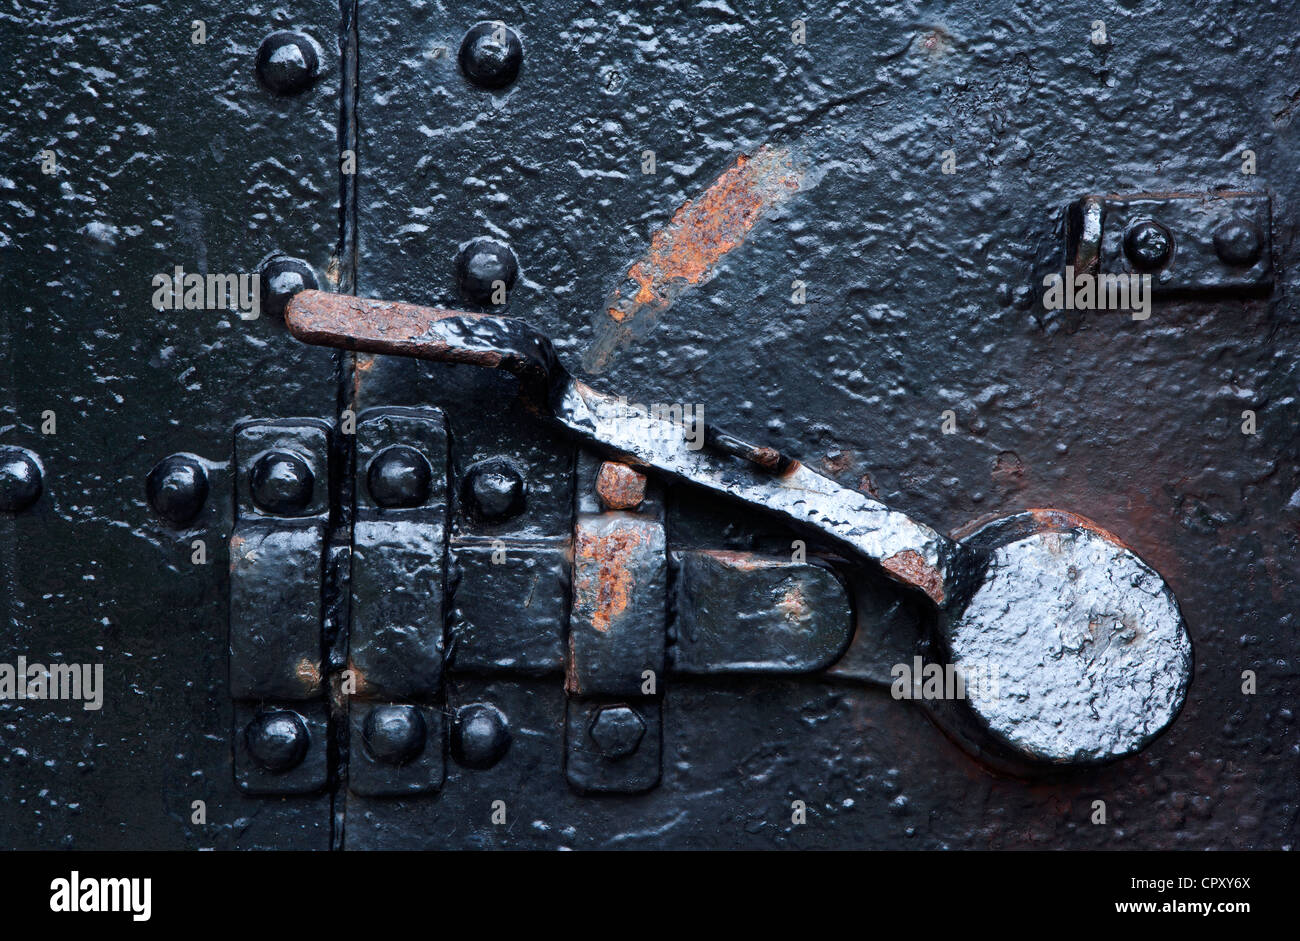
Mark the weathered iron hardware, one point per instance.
(395, 648)
(276, 568)
(21, 479)
(1185, 242)
(1090, 647)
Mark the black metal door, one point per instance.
(426, 617)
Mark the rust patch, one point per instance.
(769, 459)
(793, 606)
(686, 252)
(1061, 520)
(358, 678)
(1009, 471)
(308, 673)
(619, 486)
(908, 566)
(362, 365)
(605, 587)
(837, 462)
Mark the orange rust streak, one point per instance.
(608, 594)
(908, 566)
(703, 230)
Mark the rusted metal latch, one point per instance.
(1087, 646)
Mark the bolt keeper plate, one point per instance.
(1203, 256)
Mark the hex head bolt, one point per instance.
(1087, 652)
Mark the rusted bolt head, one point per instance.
(1238, 243)
(480, 735)
(619, 486)
(1148, 245)
(481, 264)
(494, 490)
(287, 63)
(277, 740)
(399, 476)
(394, 734)
(281, 278)
(281, 482)
(490, 55)
(177, 488)
(617, 731)
(20, 479)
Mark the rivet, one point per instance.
(619, 486)
(281, 278)
(1238, 243)
(399, 476)
(480, 735)
(394, 734)
(277, 740)
(281, 482)
(617, 731)
(481, 265)
(20, 479)
(1148, 245)
(494, 490)
(287, 62)
(177, 488)
(490, 55)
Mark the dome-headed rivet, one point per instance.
(277, 740)
(287, 62)
(486, 270)
(394, 734)
(177, 488)
(480, 736)
(490, 55)
(20, 479)
(281, 482)
(399, 476)
(494, 490)
(1148, 245)
(1238, 243)
(281, 278)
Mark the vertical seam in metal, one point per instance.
(344, 449)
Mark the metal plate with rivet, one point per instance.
(398, 551)
(277, 560)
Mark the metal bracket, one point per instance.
(276, 607)
(395, 651)
(1187, 243)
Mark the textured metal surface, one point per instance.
(923, 295)
(1090, 655)
(1198, 257)
(395, 640)
(739, 612)
(1059, 597)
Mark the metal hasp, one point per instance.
(395, 644)
(1088, 653)
(276, 608)
(1187, 243)
(617, 633)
